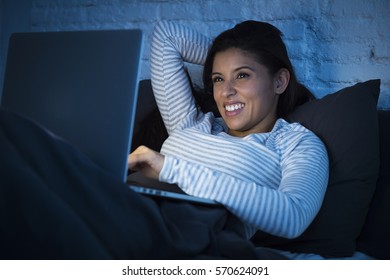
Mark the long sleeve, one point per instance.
(172, 46)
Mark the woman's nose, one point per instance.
(228, 89)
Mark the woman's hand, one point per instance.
(146, 161)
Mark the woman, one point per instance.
(57, 204)
(269, 173)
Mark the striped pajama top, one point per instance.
(274, 181)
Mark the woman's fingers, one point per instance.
(147, 161)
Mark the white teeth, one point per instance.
(234, 107)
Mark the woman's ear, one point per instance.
(282, 78)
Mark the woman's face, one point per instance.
(245, 92)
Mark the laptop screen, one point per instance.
(81, 85)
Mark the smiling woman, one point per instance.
(245, 92)
(269, 173)
(261, 42)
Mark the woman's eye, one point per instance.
(217, 79)
(242, 75)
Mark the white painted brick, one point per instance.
(384, 98)
(338, 73)
(187, 10)
(230, 10)
(380, 52)
(292, 29)
(359, 8)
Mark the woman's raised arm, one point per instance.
(172, 46)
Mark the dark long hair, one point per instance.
(264, 41)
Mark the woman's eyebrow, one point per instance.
(243, 68)
(235, 70)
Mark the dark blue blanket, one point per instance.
(55, 203)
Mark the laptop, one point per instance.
(83, 87)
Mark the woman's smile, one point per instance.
(233, 109)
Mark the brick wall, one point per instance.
(332, 43)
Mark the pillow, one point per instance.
(149, 128)
(375, 237)
(347, 123)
